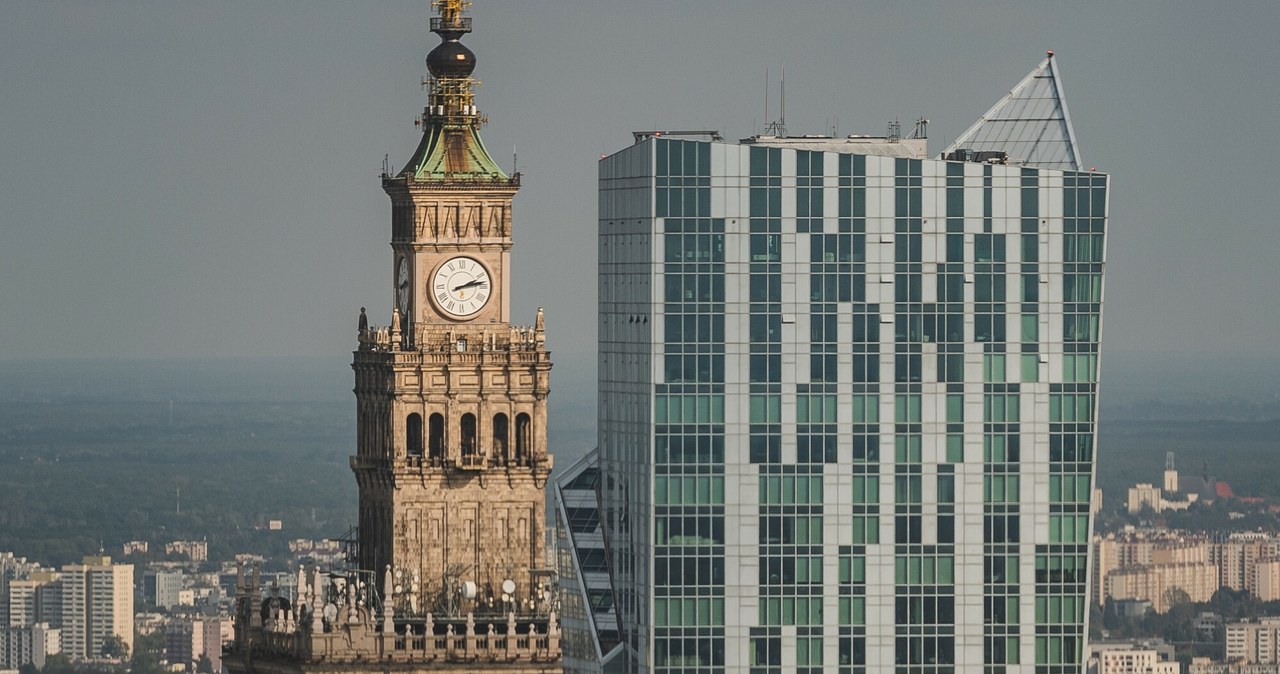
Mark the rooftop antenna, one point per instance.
(835, 117)
(922, 129)
(515, 160)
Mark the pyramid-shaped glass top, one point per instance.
(1030, 124)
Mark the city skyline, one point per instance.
(220, 205)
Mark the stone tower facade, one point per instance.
(451, 452)
(451, 459)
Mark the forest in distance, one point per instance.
(95, 453)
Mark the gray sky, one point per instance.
(201, 179)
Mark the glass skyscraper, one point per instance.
(847, 399)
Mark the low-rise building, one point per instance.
(196, 551)
(1203, 665)
(134, 547)
(1147, 657)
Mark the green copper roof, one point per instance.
(452, 152)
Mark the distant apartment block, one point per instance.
(162, 588)
(1160, 583)
(1254, 642)
(1237, 558)
(97, 603)
(29, 645)
(196, 551)
(134, 547)
(1266, 579)
(186, 641)
(325, 552)
(12, 568)
(1148, 564)
(34, 599)
(1144, 495)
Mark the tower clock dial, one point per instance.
(402, 287)
(461, 287)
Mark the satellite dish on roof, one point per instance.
(330, 612)
(469, 590)
(509, 586)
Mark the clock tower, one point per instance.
(451, 456)
(451, 451)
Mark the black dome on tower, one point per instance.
(452, 59)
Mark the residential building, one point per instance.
(196, 551)
(134, 547)
(1135, 662)
(1132, 658)
(161, 587)
(97, 603)
(1161, 583)
(188, 640)
(12, 568)
(35, 599)
(1105, 559)
(1204, 665)
(1254, 642)
(1145, 496)
(847, 397)
(1266, 579)
(28, 645)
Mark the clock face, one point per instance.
(402, 287)
(461, 287)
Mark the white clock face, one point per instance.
(402, 287)
(461, 286)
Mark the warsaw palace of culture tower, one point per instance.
(451, 451)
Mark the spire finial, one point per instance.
(451, 64)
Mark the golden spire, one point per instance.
(450, 10)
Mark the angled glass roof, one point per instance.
(1030, 124)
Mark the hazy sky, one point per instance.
(201, 178)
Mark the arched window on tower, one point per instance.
(468, 439)
(413, 437)
(435, 438)
(501, 449)
(524, 438)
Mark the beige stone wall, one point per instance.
(461, 499)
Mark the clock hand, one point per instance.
(469, 284)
